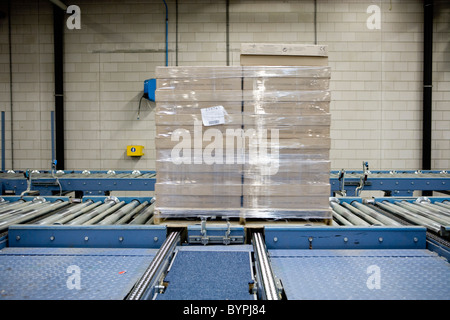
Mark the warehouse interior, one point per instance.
(95, 96)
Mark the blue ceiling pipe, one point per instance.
(167, 34)
(150, 84)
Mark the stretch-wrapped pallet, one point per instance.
(244, 141)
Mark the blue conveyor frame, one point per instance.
(291, 248)
(399, 183)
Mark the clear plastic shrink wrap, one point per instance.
(248, 142)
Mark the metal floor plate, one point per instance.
(209, 273)
(70, 273)
(362, 274)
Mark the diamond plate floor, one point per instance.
(45, 273)
(362, 274)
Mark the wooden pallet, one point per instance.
(179, 222)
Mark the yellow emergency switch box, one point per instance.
(135, 151)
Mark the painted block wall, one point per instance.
(376, 74)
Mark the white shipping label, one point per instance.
(213, 116)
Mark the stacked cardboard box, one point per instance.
(292, 104)
(286, 88)
(249, 141)
(269, 54)
(194, 108)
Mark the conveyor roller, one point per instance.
(59, 211)
(431, 213)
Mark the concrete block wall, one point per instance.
(32, 83)
(377, 83)
(376, 74)
(440, 148)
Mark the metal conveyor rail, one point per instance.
(142, 288)
(267, 282)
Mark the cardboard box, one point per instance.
(275, 120)
(294, 146)
(285, 49)
(186, 113)
(168, 204)
(204, 189)
(165, 164)
(199, 160)
(282, 60)
(167, 130)
(300, 108)
(274, 160)
(189, 119)
(270, 131)
(188, 139)
(288, 189)
(286, 202)
(286, 84)
(280, 72)
(286, 78)
(198, 72)
(200, 84)
(277, 155)
(286, 96)
(280, 214)
(191, 96)
(257, 129)
(288, 168)
(193, 177)
(285, 177)
(264, 54)
(292, 164)
(233, 151)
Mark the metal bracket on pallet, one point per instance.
(226, 238)
(215, 234)
(204, 239)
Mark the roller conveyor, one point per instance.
(61, 211)
(432, 213)
(372, 251)
(393, 183)
(47, 183)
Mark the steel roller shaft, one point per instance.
(33, 214)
